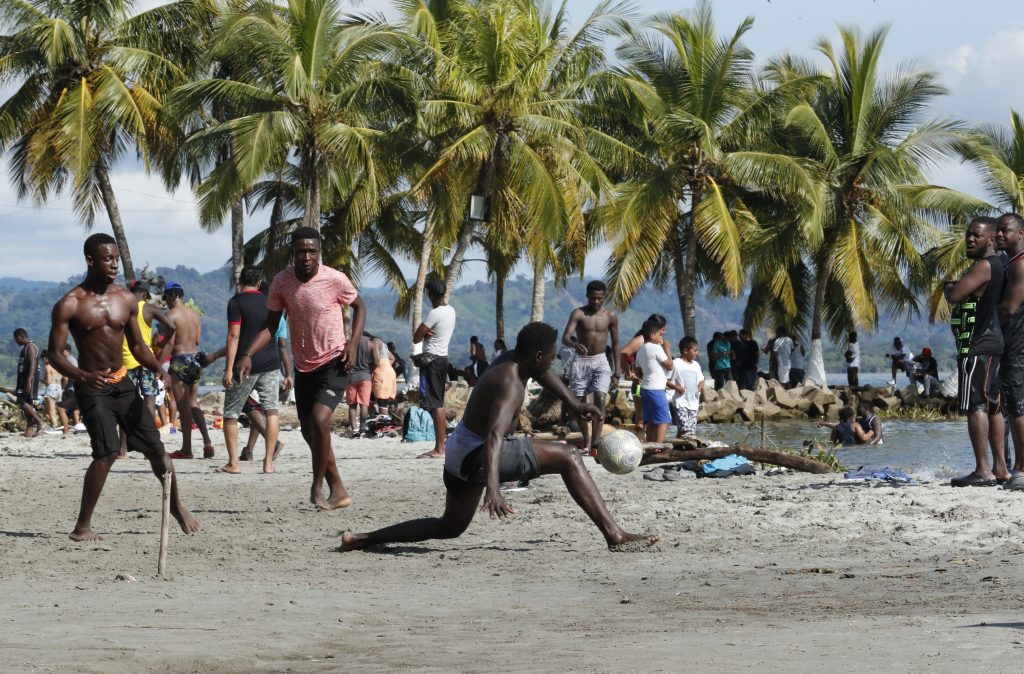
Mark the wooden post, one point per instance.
(164, 525)
(762, 431)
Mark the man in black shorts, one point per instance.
(979, 344)
(435, 333)
(479, 455)
(1010, 239)
(28, 382)
(99, 314)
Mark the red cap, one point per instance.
(926, 352)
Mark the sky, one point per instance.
(975, 47)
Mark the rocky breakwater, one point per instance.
(769, 400)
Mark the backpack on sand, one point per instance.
(419, 425)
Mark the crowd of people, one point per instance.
(294, 336)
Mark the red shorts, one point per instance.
(358, 392)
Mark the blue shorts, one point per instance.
(655, 406)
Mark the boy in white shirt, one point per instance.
(653, 365)
(687, 382)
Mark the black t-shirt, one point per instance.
(751, 355)
(249, 310)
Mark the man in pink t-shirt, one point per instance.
(314, 296)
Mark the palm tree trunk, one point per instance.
(110, 203)
(687, 232)
(679, 262)
(421, 275)
(819, 297)
(276, 221)
(311, 218)
(537, 309)
(454, 267)
(499, 306)
(237, 240)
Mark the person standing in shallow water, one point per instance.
(99, 315)
(979, 344)
(315, 297)
(479, 456)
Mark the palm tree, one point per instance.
(306, 83)
(92, 79)
(997, 153)
(870, 145)
(505, 83)
(685, 99)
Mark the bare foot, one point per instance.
(208, 451)
(350, 542)
(30, 432)
(180, 454)
(189, 524)
(121, 457)
(269, 469)
(87, 535)
(335, 502)
(228, 468)
(432, 454)
(634, 542)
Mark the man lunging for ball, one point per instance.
(479, 457)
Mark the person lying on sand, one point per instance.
(99, 315)
(479, 455)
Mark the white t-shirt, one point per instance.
(908, 356)
(854, 350)
(689, 376)
(797, 358)
(783, 349)
(649, 359)
(442, 321)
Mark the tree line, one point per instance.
(801, 182)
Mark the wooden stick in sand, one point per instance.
(165, 522)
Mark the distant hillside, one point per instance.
(27, 304)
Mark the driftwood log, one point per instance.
(801, 463)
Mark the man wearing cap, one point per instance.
(186, 369)
(927, 372)
(144, 380)
(315, 297)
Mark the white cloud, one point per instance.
(959, 60)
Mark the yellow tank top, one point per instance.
(147, 336)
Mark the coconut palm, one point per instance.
(307, 84)
(997, 153)
(870, 145)
(688, 104)
(91, 80)
(505, 83)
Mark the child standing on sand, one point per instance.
(653, 365)
(687, 383)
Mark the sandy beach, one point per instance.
(782, 573)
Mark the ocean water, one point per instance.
(925, 449)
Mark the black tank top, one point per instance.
(975, 321)
(1013, 335)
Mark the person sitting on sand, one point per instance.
(479, 456)
(847, 432)
(99, 314)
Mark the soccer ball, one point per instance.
(620, 452)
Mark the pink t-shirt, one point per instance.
(314, 309)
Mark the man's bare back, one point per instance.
(188, 329)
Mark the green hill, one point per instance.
(27, 304)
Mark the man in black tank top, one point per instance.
(979, 344)
(1010, 239)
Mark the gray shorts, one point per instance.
(589, 374)
(517, 461)
(265, 384)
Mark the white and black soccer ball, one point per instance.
(620, 452)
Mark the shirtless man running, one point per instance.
(479, 456)
(99, 314)
(587, 332)
(186, 369)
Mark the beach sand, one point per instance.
(785, 573)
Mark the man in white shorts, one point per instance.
(590, 374)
